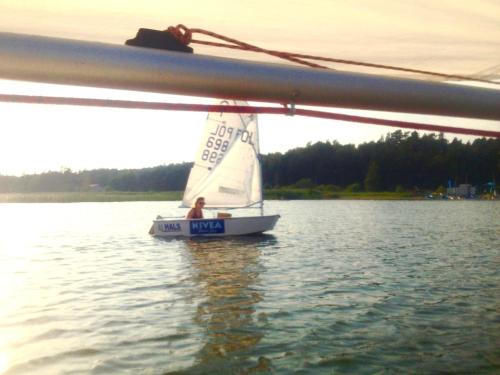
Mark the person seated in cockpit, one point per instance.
(197, 211)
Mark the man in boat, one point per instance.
(197, 211)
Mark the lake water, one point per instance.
(337, 287)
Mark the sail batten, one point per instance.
(226, 171)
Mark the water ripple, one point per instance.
(338, 287)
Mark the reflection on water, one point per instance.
(227, 271)
(342, 287)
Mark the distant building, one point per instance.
(96, 187)
(462, 191)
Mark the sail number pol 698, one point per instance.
(219, 140)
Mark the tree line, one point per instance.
(400, 160)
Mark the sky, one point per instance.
(459, 37)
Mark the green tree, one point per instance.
(304, 183)
(372, 179)
(353, 188)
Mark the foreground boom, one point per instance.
(64, 61)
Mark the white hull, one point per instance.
(234, 226)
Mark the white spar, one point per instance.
(65, 61)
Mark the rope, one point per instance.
(243, 109)
(185, 35)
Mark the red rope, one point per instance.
(185, 35)
(243, 109)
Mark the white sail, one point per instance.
(226, 171)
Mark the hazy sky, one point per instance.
(451, 36)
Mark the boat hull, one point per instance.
(218, 227)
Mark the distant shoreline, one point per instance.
(272, 194)
(269, 194)
(75, 197)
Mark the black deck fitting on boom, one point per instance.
(158, 39)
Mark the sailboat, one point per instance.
(227, 173)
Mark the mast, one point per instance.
(71, 62)
(259, 159)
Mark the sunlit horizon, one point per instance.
(49, 138)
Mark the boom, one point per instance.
(64, 61)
